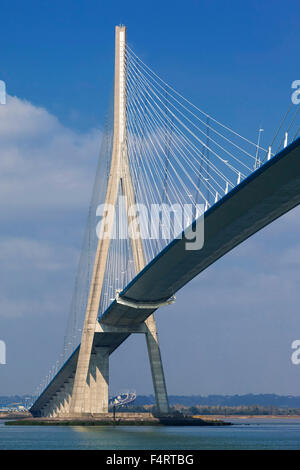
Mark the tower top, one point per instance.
(121, 27)
(120, 86)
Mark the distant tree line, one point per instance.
(198, 404)
(278, 401)
(9, 399)
(241, 410)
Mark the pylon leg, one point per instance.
(86, 404)
(102, 380)
(92, 383)
(90, 390)
(81, 376)
(158, 377)
(98, 381)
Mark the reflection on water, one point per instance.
(243, 434)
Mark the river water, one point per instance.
(243, 434)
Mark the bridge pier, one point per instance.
(54, 408)
(96, 390)
(69, 386)
(94, 397)
(102, 380)
(45, 411)
(92, 382)
(64, 397)
(59, 400)
(157, 372)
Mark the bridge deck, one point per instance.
(265, 195)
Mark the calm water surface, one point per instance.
(243, 434)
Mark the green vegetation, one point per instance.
(241, 410)
(253, 410)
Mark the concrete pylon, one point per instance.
(101, 380)
(90, 390)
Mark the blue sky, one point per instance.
(236, 60)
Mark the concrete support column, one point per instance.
(58, 404)
(89, 387)
(46, 411)
(157, 372)
(61, 399)
(92, 383)
(54, 406)
(86, 405)
(101, 380)
(63, 396)
(50, 409)
(68, 396)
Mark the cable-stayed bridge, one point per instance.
(175, 190)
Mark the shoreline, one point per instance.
(138, 420)
(125, 420)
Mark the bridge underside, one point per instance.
(265, 195)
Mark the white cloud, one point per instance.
(42, 163)
(44, 168)
(20, 120)
(37, 277)
(20, 253)
(22, 307)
